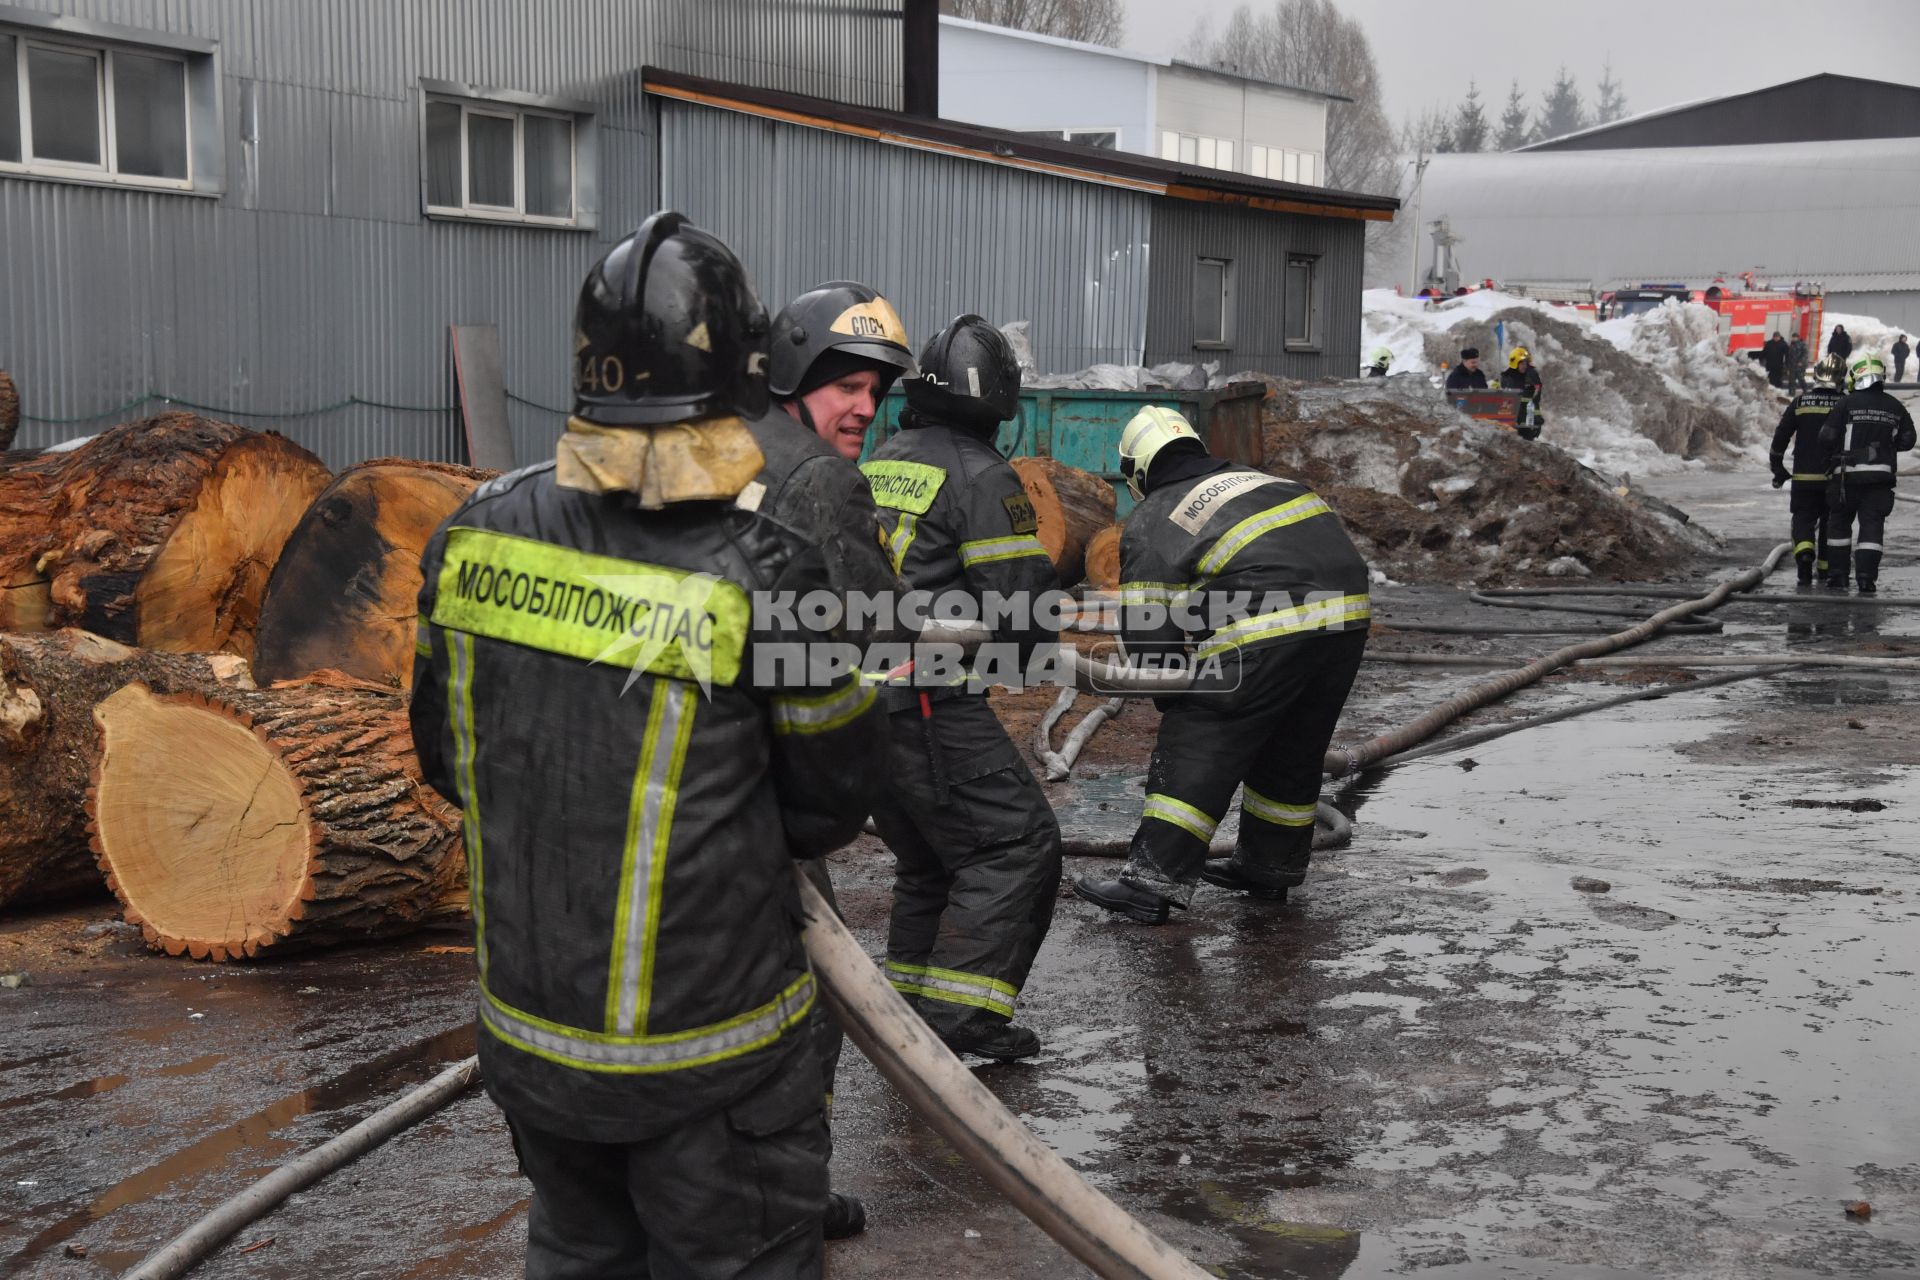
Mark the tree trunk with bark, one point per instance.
(301, 820)
(9, 411)
(49, 685)
(343, 594)
(158, 533)
(1071, 506)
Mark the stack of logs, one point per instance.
(206, 641)
(148, 578)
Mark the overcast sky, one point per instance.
(1663, 51)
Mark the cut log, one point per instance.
(49, 686)
(1103, 559)
(9, 411)
(158, 533)
(343, 595)
(232, 823)
(1071, 505)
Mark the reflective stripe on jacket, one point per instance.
(636, 775)
(1257, 559)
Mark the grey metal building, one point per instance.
(1817, 108)
(275, 211)
(1838, 214)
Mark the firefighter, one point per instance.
(1521, 375)
(1864, 431)
(834, 352)
(592, 687)
(1840, 343)
(1382, 360)
(1203, 533)
(1800, 427)
(1466, 375)
(976, 845)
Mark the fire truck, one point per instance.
(1748, 315)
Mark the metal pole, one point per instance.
(1413, 231)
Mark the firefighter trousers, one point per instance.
(1268, 737)
(1807, 505)
(1851, 546)
(735, 1195)
(977, 862)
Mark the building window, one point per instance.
(1187, 148)
(1213, 302)
(99, 112)
(501, 162)
(1302, 302)
(1282, 165)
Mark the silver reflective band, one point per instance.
(641, 908)
(1868, 546)
(1255, 805)
(1854, 467)
(817, 715)
(1840, 542)
(592, 1051)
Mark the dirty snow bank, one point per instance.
(1432, 496)
(1642, 395)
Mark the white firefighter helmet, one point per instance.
(1151, 430)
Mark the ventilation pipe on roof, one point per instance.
(920, 58)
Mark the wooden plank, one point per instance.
(483, 396)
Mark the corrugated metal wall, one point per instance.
(315, 277)
(939, 235)
(1257, 244)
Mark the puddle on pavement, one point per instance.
(86, 1088)
(244, 1149)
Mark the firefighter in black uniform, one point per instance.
(637, 770)
(834, 352)
(1864, 432)
(1800, 427)
(976, 843)
(1204, 533)
(1521, 375)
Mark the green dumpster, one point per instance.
(1082, 428)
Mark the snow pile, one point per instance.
(1638, 396)
(1430, 495)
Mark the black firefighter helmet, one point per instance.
(668, 330)
(833, 329)
(968, 375)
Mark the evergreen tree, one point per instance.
(1561, 111)
(1612, 103)
(1470, 122)
(1513, 121)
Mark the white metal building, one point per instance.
(1145, 103)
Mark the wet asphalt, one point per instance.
(1439, 1058)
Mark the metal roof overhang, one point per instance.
(996, 146)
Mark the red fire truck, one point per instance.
(1748, 315)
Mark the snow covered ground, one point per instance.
(1642, 395)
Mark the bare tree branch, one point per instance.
(1092, 21)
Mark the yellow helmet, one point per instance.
(1517, 357)
(1151, 430)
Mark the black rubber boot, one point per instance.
(1832, 583)
(1221, 871)
(990, 1037)
(845, 1216)
(1806, 571)
(1125, 899)
(1867, 587)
